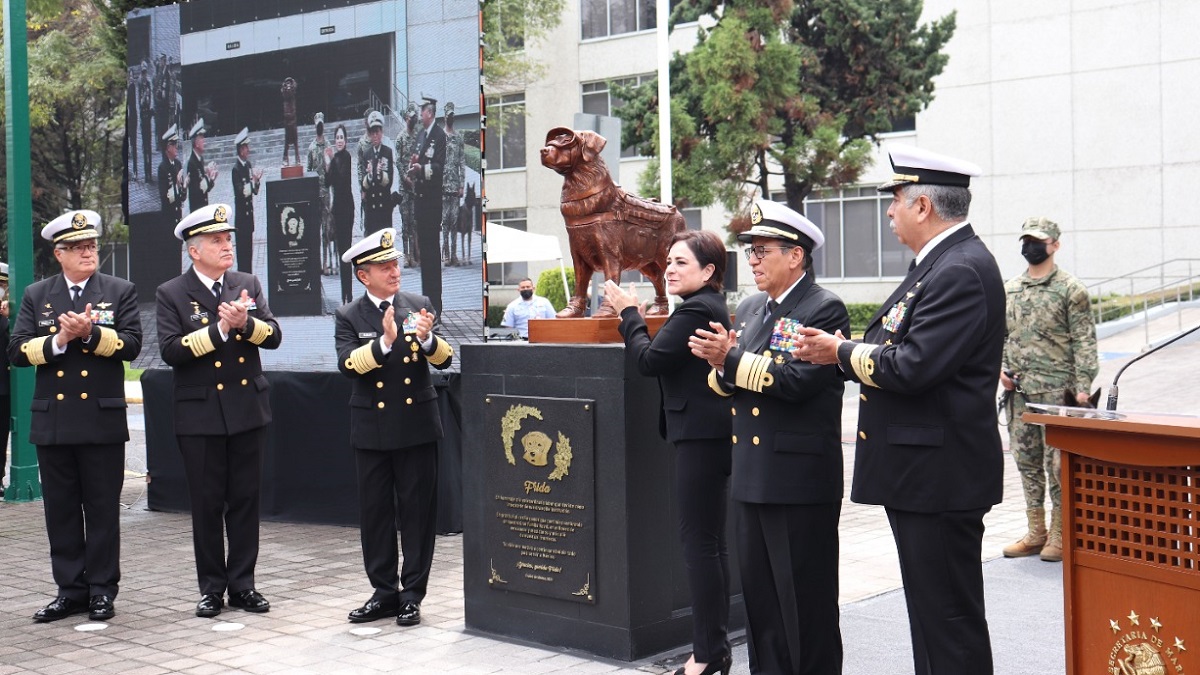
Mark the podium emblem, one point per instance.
(1140, 650)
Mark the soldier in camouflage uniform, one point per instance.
(452, 187)
(319, 154)
(406, 147)
(1050, 349)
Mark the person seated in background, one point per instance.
(528, 306)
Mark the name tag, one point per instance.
(42, 323)
(368, 336)
(199, 317)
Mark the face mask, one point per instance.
(527, 293)
(1034, 251)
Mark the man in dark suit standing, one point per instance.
(200, 178)
(145, 99)
(786, 483)
(172, 181)
(425, 169)
(212, 322)
(380, 166)
(131, 125)
(386, 344)
(76, 328)
(5, 381)
(928, 446)
(246, 183)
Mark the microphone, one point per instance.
(1112, 391)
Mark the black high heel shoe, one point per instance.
(723, 667)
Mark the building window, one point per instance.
(858, 241)
(508, 273)
(602, 18)
(504, 139)
(598, 99)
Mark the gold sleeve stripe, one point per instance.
(863, 363)
(262, 331)
(714, 383)
(441, 351)
(752, 372)
(199, 342)
(35, 350)
(362, 360)
(109, 342)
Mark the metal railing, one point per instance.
(1173, 282)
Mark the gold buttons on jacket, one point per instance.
(245, 382)
(862, 397)
(408, 401)
(61, 373)
(754, 411)
(83, 396)
(238, 336)
(862, 435)
(217, 364)
(241, 359)
(220, 387)
(754, 440)
(61, 397)
(733, 411)
(380, 406)
(83, 373)
(406, 359)
(53, 329)
(735, 438)
(408, 338)
(379, 385)
(407, 380)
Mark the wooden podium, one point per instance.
(1131, 541)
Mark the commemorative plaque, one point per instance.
(294, 247)
(539, 514)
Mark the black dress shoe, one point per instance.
(210, 605)
(410, 613)
(60, 608)
(100, 608)
(249, 600)
(374, 609)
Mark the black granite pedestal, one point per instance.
(565, 478)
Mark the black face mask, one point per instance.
(1034, 251)
(527, 293)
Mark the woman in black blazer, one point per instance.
(697, 422)
(338, 178)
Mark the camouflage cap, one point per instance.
(1041, 228)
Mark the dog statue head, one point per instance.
(565, 148)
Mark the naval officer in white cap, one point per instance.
(246, 183)
(386, 343)
(77, 328)
(928, 445)
(786, 482)
(172, 181)
(201, 178)
(212, 323)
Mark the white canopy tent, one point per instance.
(505, 244)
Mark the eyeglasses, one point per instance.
(80, 248)
(760, 252)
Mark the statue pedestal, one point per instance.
(570, 524)
(584, 331)
(291, 171)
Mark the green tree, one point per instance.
(791, 89)
(508, 26)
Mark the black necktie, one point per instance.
(771, 305)
(76, 293)
(216, 289)
(383, 306)
(912, 264)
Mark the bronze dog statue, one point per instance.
(608, 229)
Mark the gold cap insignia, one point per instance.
(78, 221)
(755, 215)
(386, 240)
(220, 215)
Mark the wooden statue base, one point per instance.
(584, 331)
(291, 171)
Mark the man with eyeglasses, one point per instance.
(76, 328)
(928, 443)
(786, 483)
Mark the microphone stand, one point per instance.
(1112, 391)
